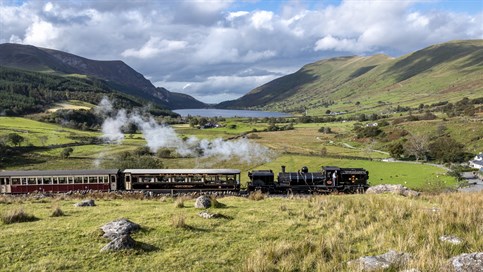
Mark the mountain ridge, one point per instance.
(447, 71)
(115, 72)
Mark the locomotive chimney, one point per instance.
(283, 168)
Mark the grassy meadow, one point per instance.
(320, 233)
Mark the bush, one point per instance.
(178, 221)
(17, 216)
(57, 212)
(179, 202)
(257, 195)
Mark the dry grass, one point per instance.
(57, 212)
(179, 222)
(257, 196)
(179, 202)
(17, 216)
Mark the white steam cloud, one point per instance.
(161, 136)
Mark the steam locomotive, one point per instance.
(329, 179)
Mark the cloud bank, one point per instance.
(219, 50)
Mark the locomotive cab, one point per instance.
(262, 180)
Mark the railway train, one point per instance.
(329, 179)
(182, 180)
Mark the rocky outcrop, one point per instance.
(86, 203)
(203, 202)
(391, 259)
(119, 228)
(118, 232)
(120, 243)
(468, 262)
(396, 189)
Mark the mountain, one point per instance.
(117, 74)
(443, 72)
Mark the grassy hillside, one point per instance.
(275, 234)
(444, 72)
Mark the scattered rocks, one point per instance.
(451, 239)
(119, 228)
(120, 243)
(203, 202)
(386, 260)
(468, 262)
(86, 203)
(207, 215)
(397, 189)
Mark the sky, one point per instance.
(217, 50)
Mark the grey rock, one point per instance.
(397, 189)
(468, 262)
(386, 260)
(207, 215)
(120, 243)
(451, 239)
(118, 228)
(203, 202)
(86, 203)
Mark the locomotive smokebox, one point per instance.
(305, 169)
(283, 168)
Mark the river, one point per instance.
(230, 113)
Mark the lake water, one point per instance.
(230, 113)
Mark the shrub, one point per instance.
(17, 216)
(178, 221)
(257, 195)
(179, 202)
(57, 212)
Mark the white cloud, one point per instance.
(213, 49)
(153, 47)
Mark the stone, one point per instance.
(203, 202)
(384, 261)
(207, 215)
(120, 243)
(118, 228)
(451, 239)
(468, 262)
(397, 189)
(86, 203)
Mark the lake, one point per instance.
(230, 113)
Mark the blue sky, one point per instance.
(217, 50)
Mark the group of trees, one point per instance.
(442, 148)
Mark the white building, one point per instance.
(477, 162)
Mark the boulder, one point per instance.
(118, 228)
(397, 189)
(467, 262)
(384, 261)
(86, 203)
(451, 239)
(120, 243)
(203, 202)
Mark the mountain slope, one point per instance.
(116, 73)
(441, 72)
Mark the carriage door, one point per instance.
(2, 185)
(127, 181)
(113, 182)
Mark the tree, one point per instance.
(447, 149)
(66, 152)
(15, 139)
(417, 146)
(396, 150)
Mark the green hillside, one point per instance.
(445, 72)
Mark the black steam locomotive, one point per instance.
(329, 179)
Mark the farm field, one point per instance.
(303, 146)
(319, 233)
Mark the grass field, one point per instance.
(274, 234)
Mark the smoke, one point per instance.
(161, 136)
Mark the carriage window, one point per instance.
(162, 179)
(77, 179)
(179, 179)
(31, 181)
(47, 180)
(61, 180)
(197, 179)
(92, 179)
(128, 178)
